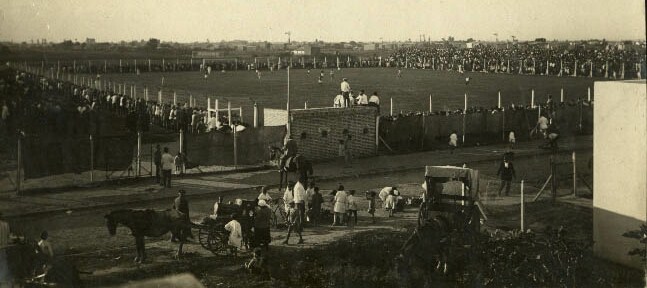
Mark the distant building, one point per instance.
(243, 47)
(90, 41)
(370, 47)
(307, 50)
(207, 54)
(277, 46)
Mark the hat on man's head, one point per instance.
(345, 79)
(181, 191)
(262, 203)
(291, 183)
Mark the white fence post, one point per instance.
(522, 208)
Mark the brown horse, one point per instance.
(298, 164)
(149, 223)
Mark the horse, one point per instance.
(298, 164)
(150, 223)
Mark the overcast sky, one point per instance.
(329, 20)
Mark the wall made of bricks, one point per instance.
(318, 131)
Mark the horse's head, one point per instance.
(111, 223)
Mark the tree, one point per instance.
(152, 43)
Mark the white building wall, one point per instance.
(620, 168)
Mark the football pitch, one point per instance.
(409, 92)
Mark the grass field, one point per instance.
(409, 93)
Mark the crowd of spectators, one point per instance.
(38, 106)
(597, 61)
(527, 60)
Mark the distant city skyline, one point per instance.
(329, 21)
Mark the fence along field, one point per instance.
(409, 93)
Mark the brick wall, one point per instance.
(319, 130)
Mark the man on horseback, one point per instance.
(290, 150)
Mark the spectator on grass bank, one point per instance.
(167, 167)
(507, 173)
(294, 222)
(453, 141)
(262, 221)
(157, 158)
(340, 207)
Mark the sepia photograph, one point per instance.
(293, 143)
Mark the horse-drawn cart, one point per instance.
(448, 222)
(211, 231)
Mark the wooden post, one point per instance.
(561, 95)
(377, 134)
(391, 107)
(553, 184)
(181, 141)
(19, 164)
(208, 109)
(217, 112)
(589, 93)
(255, 115)
(240, 113)
(430, 104)
(91, 159)
(159, 97)
(235, 149)
(574, 175)
(464, 115)
(522, 208)
(229, 112)
(532, 99)
(499, 102)
(139, 153)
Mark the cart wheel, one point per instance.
(217, 243)
(203, 237)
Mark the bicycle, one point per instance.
(279, 216)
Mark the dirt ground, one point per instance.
(353, 256)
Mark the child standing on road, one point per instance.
(371, 205)
(352, 206)
(45, 246)
(294, 223)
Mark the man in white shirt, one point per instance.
(362, 99)
(300, 198)
(374, 101)
(339, 101)
(345, 91)
(168, 162)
